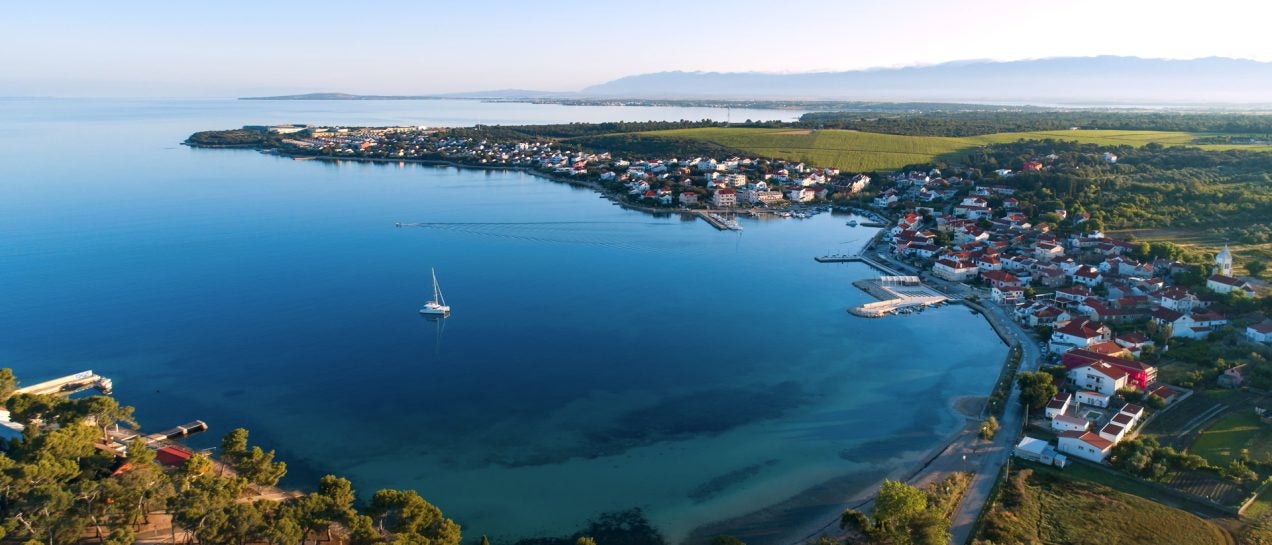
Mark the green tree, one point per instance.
(989, 428)
(104, 412)
(404, 512)
(725, 540)
(896, 504)
(1254, 267)
(8, 383)
(362, 532)
(1036, 388)
(585, 541)
(233, 446)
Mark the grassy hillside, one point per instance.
(1050, 508)
(864, 151)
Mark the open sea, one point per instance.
(597, 360)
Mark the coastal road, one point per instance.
(970, 454)
(989, 458)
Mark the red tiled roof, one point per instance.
(1081, 328)
(1078, 357)
(1131, 408)
(1107, 370)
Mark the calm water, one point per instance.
(598, 359)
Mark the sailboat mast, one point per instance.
(437, 290)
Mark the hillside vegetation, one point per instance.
(1041, 508)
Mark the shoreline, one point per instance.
(922, 470)
(789, 535)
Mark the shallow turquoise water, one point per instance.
(598, 359)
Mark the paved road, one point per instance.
(985, 459)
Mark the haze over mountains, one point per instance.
(1106, 80)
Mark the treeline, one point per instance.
(1152, 186)
(639, 146)
(518, 133)
(233, 138)
(57, 486)
(971, 123)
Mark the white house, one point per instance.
(724, 197)
(1064, 422)
(1078, 333)
(1219, 283)
(1136, 412)
(688, 198)
(1085, 445)
(1260, 333)
(1099, 377)
(1112, 432)
(1007, 296)
(1094, 399)
(954, 270)
(1059, 404)
(1087, 275)
(801, 194)
(1125, 420)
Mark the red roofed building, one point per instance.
(1099, 377)
(1139, 374)
(1001, 279)
(1079, 333)
(1085, 445)
(172, 455)
(955, 270)
(725, 197)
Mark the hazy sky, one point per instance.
(233, 48)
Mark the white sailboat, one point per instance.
(437, 306)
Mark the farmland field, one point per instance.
(1204, 239)
(864, 151)
(1224, 440)
(1049, 507)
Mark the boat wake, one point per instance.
(595, 233)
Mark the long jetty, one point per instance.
(69, 384)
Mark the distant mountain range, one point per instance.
(1068, 81)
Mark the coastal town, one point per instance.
(1131, 364)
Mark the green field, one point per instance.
(1049, 507)
(1224, 440)
(863, 151)
(1205, 239)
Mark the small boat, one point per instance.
(852, 223)
(437, 306)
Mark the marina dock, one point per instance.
(896, 294)
(68, 385)
(720, 222)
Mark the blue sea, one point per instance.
(597, 360)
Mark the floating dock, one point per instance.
(69, 385)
